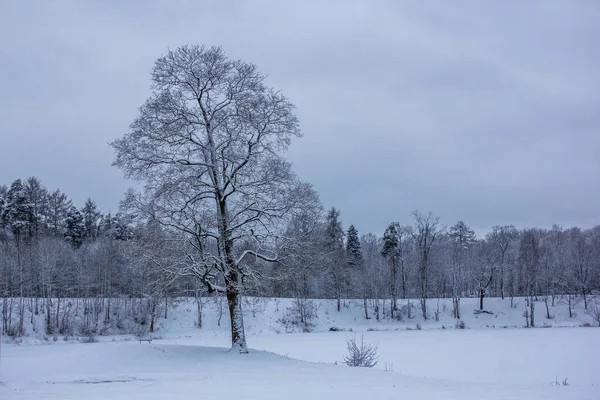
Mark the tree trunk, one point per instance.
(393, 287)
(456, 307)
(166, 305)
(531, 312)
(152, 315)
(238, 337)
(366, 308)
(424, 307)
(547, 307)
(200, 305)
(481, 295)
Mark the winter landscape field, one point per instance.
(299, 200)
(493, 357)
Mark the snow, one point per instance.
(479, 362)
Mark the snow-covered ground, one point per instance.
(479, 362)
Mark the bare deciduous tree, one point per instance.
(529, 260)
(208, 144)
(425, 234)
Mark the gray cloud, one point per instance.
(478, 110)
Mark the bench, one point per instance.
(145, 340)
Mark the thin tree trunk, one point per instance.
(531, 312)
(393, 287)
(166, 305)
(481, 295)
(547, 307)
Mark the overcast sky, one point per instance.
(485, 111)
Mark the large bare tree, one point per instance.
(208, 144)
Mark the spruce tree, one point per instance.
(353, 249)
(17, 213)
(335, 255)
(74, 227)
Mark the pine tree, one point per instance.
(17, 213)
(122, 228)
(38, 201)
(390, 252)
(56, 212)
(17, 216)
(91, 219)
(74, 227)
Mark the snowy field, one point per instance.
(184, 362)
(486, 364)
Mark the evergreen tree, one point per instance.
(91, 220)
(74, 227)
(38, 200)
(17, 213)
(58, 206)
(122, 228)
(106, 225)
(335, 255)
(353, 250)
(390, 252)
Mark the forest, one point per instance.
(57, 260)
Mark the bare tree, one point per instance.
(375, 276)
(462, 240)
(425, 234)
(529, 260)
(208, 143)
(501, 238)
(582, 245)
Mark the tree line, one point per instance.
(51, 251)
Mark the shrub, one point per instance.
(594, 312)
(301, 314)
(361, 354)
(460, 324)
